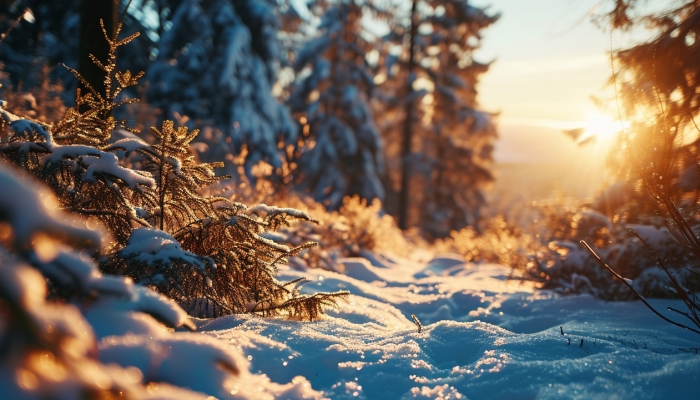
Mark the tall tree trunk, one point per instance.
(408, 125)
(92, 39)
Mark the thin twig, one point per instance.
(639, 296)
(676, 285)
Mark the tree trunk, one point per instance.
(408, 125)
(92, 40)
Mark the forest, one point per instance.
(277, 199)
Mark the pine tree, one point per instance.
(654, 80)
(331, 101)
(69, 331)
(656, 93)
(451, 141)
(463, 136)
(216, 64)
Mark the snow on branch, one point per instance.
(153, 246)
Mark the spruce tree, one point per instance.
(657, 94)
(431, 87)
(216, 65)
(343, 155)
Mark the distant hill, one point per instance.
(519, 184)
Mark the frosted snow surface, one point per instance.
(483, 337)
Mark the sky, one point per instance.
(549, 59)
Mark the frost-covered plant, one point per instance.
(194, 248)
(654, 92)
(225, 261)
(364, 225)
(557, 260)
(499, 242)
(547, 250)
(353, 230)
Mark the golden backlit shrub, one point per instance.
(357, 226)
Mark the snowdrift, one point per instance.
(484, 337)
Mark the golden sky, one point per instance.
(549, 60)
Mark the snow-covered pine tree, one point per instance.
(216, 65)
(463, 137)
(72, 157)
(398, 111)
(343, 151)
(453, 141)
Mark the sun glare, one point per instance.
(601, 127)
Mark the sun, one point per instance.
(601, 127)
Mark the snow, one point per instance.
(107, 165)
(128, 145)
(99, 163)
(26, 126)
(28, 209)
(70, 269)
(53, 347)
(654, 237)
(111, 315)
(271, 211)
(224, 78)
(154, 246)
(483, 337)
(21, 125)
(213, 364)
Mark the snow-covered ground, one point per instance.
(483, 337)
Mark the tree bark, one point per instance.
(404, 195)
